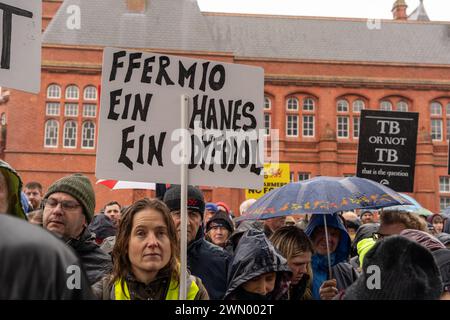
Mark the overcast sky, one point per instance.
(438, 10)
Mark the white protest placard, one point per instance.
(139, 126)
(20, 65)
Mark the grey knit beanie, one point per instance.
(79, 187)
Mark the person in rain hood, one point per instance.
(10, 191)
(343, 273)
(258, 271)
(204, 259)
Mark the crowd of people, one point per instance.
(132, 252)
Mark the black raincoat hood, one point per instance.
(254, 256)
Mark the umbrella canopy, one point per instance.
(414, 207)
(323, 195)
(117, 184)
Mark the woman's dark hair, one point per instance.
(121, 261)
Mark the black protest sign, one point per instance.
(387, 148)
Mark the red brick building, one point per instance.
(319, 74)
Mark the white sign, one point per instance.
(139, 127)
(20, 66)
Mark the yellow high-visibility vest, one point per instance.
(172, 293)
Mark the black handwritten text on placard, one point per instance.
(208, 113)
(387, 148)
(8, 12)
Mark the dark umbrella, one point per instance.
(323, 195)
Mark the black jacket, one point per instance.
(36, 265)
(96, 262)
(210, 263)
(255, 255)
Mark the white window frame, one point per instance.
(86, 114)
(72, 92)
(65, 132)
(308, 104)
(433, 128)
(358, 105)
(342, 106)
(445, 201)
(437, 105)
(83, 135)
(356, 127)
(267, 103)
(386, 105)
(341, 130)
(52, 109)
(53, 88)
(303, 175)
(87, 94)
(290, 103)
(308, 129)
(444, 184)
(400, 105)
(46, 133)
(267, 129)
(294, 116)
(71, 114)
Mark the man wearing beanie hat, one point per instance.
(204, 259)
(406, 271)
(219, 228)
(68, 208)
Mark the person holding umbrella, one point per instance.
(342, 273)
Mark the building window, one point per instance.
(3, 119)
(88, 135)
(89, 110)
(436, 109)
(436, 129)
(292, 126)
(267, 103)
(444, 203)
(52, 109)
(402, 106)
(267, 124)
(54, 91)
(386, 106)
(342, 124)
(308, 126)
(291, 176)
(51, 134)
(342, 106)
(448, 110)
(70, 134)
(358, 105)
(444, 184)
(356, 127)
(302, 176)
(292, 104)
(308, 104)
(90, 93)
(72, 92)
(71, 110)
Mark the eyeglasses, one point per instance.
(66, 205)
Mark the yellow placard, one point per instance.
(275, 175)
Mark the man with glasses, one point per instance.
(68, 208)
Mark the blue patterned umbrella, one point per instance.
(323, 195)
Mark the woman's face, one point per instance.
(438, 224)
(149, 247)
(262, 284)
